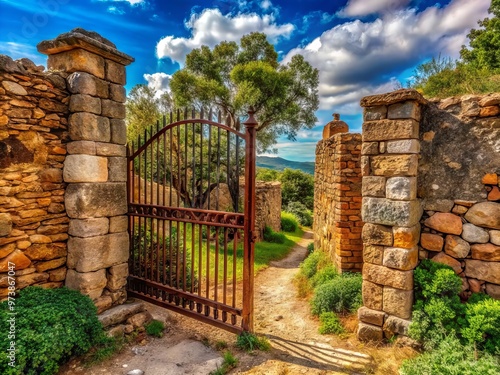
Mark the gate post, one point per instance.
(249, 244)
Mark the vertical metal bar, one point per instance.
(157, 252)
(185, 184)
(207, 267)
(200, 258)
(164, 259)
(193, 167)
(200, 191)
(184, 251)
(216, 271)
(151, 191)
(209, 161)
(192, 257)
(130, 192)
(179, 175)
(237, 187)
(170, 237)
(228, 162)
(235, 257)
(224, 287)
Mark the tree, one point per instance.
(234, 77)
(297, 186)
(484, 43)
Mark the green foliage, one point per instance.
(297, 186)
(288, 222)
(330, 324)
(310, 248)
(324, 275)
(228, 363)
(220, 345)
(309, 266)
(483, 325)
(51, 325)
(274, 237)
(236, 76)
(340, 294)
(266, 174)
(249, 342)
(155, 328)
(301, 212)
(451, 357)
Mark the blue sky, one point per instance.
(360, 47)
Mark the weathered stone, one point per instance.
(45, 251)
(401, 259)
(7, 249)
(389, 212)
(113, 109)
(88, 283)
(377, 234)
(373, 254)
(369, 148)
(120, 314)
(487, 271)
(5, 224)
(368, 332)
(115, 72)
(118, 131)
(118, 224)
(449, 261)
(374, 113)
(51, 264)
(409, 109)
(117, 169)
(58, 274)
(17, 258)
(493, 290)
(484, 214)
(82, 83)
(404, 146)
(495, 237)
(117, 93)
(117, 276)
(486, 251)
(401, 188)
(445, 222)
(406, 237)
(389, 129)
(96, 200)
(82, 147)
(77, 60)
(432, 242)
(85, 168)
(474, 285)
(94, 253)
(456, 247)
(490, 179)
(394, 325)
(489, 111)
(387, 276)
(89, 127)
(474, 234)
(89, 227)
(394, 165)
(110, 149)
(39, 238)
(494, 194)
(103, 303)
(370, 316)
(140, 319)
(398, 302)
(51, 175)
(439, 205)
(85, 103)
(372, 295)
(373, 186)
(30, 279)
(14, 88)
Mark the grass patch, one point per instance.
(229, 362)
(289, 222)
(155, 328)
(249, 342)
(330, 324)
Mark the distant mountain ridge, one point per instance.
(279, 164)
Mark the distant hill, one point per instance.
(279, 164)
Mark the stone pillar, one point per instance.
(391, 212)
(95, 167)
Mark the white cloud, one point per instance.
(131, 2)
(115, 10)
(266, 4)
(360, 8)
(159, 82)
(211, 27)
(361, 58)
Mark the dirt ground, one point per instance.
(189, 347)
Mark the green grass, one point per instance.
(249, 342)
(155, 328)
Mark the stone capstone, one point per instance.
(88, 200)
(484, 214)
(77, 60)
(389, 212)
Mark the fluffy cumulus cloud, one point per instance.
(159, 82)
(211, 26)
(359, 58)
(360, 8)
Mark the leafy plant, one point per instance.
(220, 345)
(288, 222)
(301, 212)
(324, 275)
(310, 248)
(340, 294)
(228, 363)
(274, 237)
(309, 266)
(249, 342)
(330, 324)
(483, 325)
(155, 328)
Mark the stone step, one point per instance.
(121, 313)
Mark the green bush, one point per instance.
(451, 357)
(288, 222)
(330, 324)
(301, 212)
(340, 294)
(274, 237)
(310, 248)
(155, 328)
(483, 325)
(324, 275)
(51, 325)
(309, 266)
(249, 342)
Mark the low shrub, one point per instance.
(343, 293)
(483, 325)
(324, 275)
(249, 342)
(289, 222)
(309, 266)
(310, 248)
(274, 237)
(51, 325)
(155, 328)
(301, 212)
(330, 324)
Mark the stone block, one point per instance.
(117, 276)
(120, 314)
(373, 254)
(398, 302)
(31, 279)
(445, 222)
(440, 205)
(46, 251)
(368, 332)
(84, 126)
(117, 93)
(487, 271)
(77, 60)
(377, 235)
(373, 186)
(486, 251)
(406, 110)
(474, 234)
(17, 258)
(389, 129)
(118, 131)
(84, 83)
(401, 188)
(115, 72)
(406, 237)
(117, 169)
(394, 165)
(405, 146)
(5, 224)
(140, 319)
(88, 200)
(389, 212)
(387, 276)
(112, 109)
(372, 295)
(7, 249)
(85, 103)
(493, 290)
(118, 224)
(375, 113)
(14, 88)
(394, 325)
(401, 259)
(58, 274)
(85, 168)
(51, 175)
(103, 303)
(484, 214)
(81, 147)
(95, 253)
(50, 265)
(88, 283)
(369, 148)
(456, 247)
(431, 242)
(495, 237)
(370, 316)
(110, 149)
(89, 227)
(449, 261)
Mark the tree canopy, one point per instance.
(234, 77)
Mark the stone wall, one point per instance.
(33, 132)
(337, 197)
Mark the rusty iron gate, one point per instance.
(191, 228)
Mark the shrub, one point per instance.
(330, 323)
(155, 328)
(288, 222)
(309, 266)
(301, 212)
(324, 275)
(274, 237)
(483, 325)
(310, 248)
(341, 294)
(249, 342)
(51, 325)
